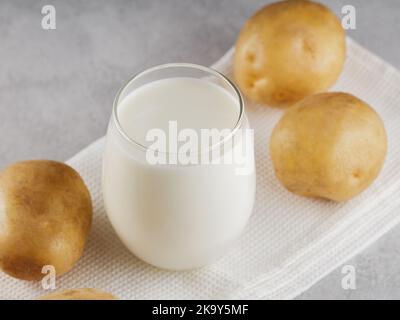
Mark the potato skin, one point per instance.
(79, 294)
(46, 218)
(289, 50)
(330, 145)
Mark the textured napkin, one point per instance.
(290, 242)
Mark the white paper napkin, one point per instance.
(290, 243)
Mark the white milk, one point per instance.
(175, 216)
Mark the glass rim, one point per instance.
(209, 70)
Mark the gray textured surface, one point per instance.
(56, 87)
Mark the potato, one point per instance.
(79, 294)
(45, 218)
(287, 51)
(330, 145)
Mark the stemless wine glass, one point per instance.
(178, 216)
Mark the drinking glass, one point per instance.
(178, 216)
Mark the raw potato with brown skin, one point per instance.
(45, 218)
(79, 294)
(289, 50)
(330, 145)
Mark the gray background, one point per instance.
(57, 87)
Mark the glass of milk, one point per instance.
(178, 170)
